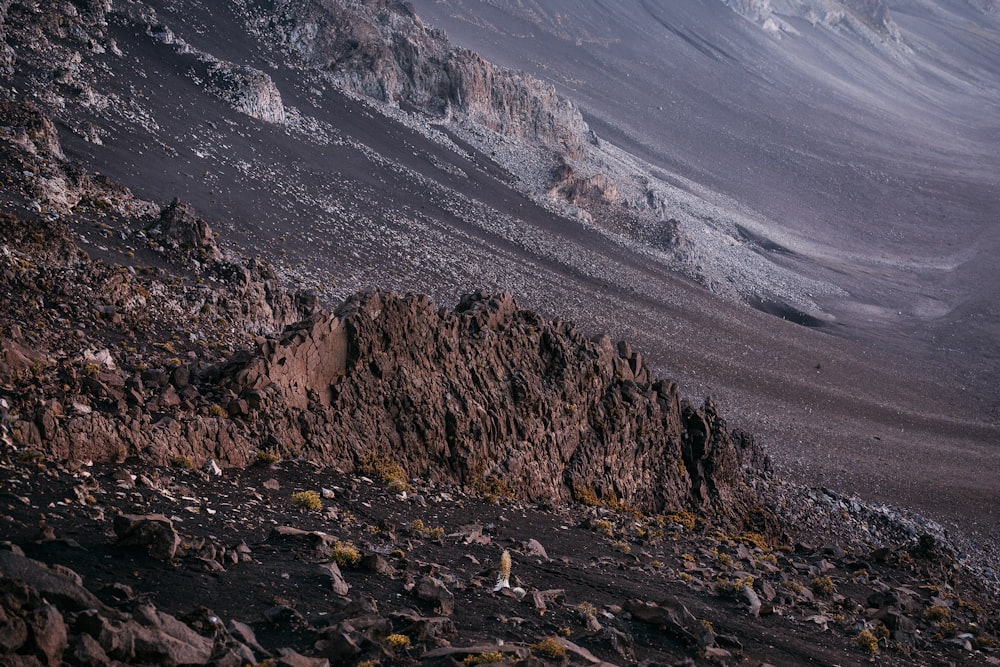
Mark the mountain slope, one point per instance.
(182, 99)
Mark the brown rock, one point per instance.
(376, 563)
(288, 658)
(87, 652)
(433, 590)
(13, 631)
(55, 587)
(48, 632)
(339, 646)
(155, 532)
(179, 224)
(672, 617)
(437, 630)
(493, 392)
(160, 638)
(245, 634)
(331, 573)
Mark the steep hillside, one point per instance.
(215, 448)
(181, 487)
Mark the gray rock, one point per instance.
(212, 468)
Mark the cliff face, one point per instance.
(380, 49)
(491, 391)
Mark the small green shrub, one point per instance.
(483, 658)
(345, 554)
(307, 500)
(267, 458)
(585, 495)
(936, 613)
(550, 648)
(868, 641)
(385, 470)
(182, 461)
(822, 586)
(683, 518)
(435, 533)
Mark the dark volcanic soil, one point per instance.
(584, 572)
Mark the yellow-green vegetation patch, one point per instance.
(435, 533)
(683, 518)
(604, 527)
(752, 539)
(307, 500)
(549, 648)
(484, 658)
(937, 613)
(822, 586)
(724, 560)
(586, 610)
(868, 641)
(384, 469)
(182, 461)
(267, 458)
(585, 495)
(345, 553)
(397, 641)
(492, 488)
(731, 587)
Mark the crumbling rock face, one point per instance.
(382, 50)
(249, 90)
(491, 391)
(256, 299)
(185, 231)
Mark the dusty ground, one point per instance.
(582, 568)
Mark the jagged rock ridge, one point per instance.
(381, 49)
(491, 390)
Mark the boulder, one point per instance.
(154, 532)
(433, 590)
(331, 572)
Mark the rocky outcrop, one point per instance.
(381, 49)
(248, 90)
(869, 19)
(490, 392)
